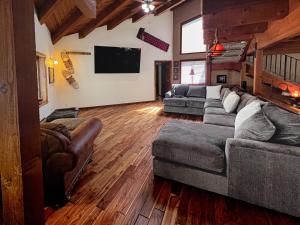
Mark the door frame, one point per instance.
(171, 72)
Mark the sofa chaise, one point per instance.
(209, 156)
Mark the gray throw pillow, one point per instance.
(197, 91)
(287, 125)
(257, 128)
(181, 89)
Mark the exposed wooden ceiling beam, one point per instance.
(138, 16)
(227, 66)
(279, 30)
(47, 9)
(87, 7)
(67, 25)
(232, 38)
(238, 31)
(123, 16)
(167, 5)
(102, 16)
(214, 6)
(284, 48)
(263, 11)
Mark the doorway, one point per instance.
(163, 81)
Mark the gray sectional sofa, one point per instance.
(206, 155)
(185, 100)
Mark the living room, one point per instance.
(150, 112)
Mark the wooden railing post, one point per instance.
(258, 68)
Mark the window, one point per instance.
(41, 78)
(192, 40)
(193, 72)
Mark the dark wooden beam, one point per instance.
(123, 16)
(20, 144)
(227, 66)
(105, 14)
(168, 5)
(138, 16)
(87, 7)
(231, 38)
(214, 6)
(47, 9)
(75, 16)
(263, 11)
(250, 29)
(279, 30)
(284, 48)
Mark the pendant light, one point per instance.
(217, 49)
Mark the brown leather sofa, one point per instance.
(65, 155)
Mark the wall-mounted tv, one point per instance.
(117, 60)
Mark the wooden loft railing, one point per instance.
(278, 70)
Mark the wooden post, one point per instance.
(208, 71)
(20, 153)
(243, 72)
(258, 67)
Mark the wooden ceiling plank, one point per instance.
(265, 11)
(226, 33)
(123, 16)
(168, 5)
(284, 48)
(138, 16)
(47, 9)
(102, 16)
(67, 25)
(87, 7)
(277, 31)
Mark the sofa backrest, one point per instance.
(246, 99)
(180, 89)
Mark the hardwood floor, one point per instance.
(118, 186)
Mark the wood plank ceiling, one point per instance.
(64, 17)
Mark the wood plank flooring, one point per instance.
(118, 186)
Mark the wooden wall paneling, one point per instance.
(258, 69)
(20, 162)
(262, 11)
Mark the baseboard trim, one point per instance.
(120, 104)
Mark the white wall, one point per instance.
(45, 46)
(108, 89)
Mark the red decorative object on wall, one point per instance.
(150, 39)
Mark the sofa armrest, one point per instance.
(265, 174)
(84, 135)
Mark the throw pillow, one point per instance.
(197, 91)
(258, 128)
(245, 113)
(181, 90)
(60, 128)
(226, 93)
(287, 125)
(223, 90)
(70, 123)
(213, 92)
(231, 102)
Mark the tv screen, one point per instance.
(117, 60)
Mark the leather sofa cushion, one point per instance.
(70, 123)
(220, 120)
(195, 102)
(57, 127)
(193, 144)
(213, 103)
(179, 102)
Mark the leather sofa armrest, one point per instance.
(84, 135)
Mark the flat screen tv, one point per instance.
(117, 60)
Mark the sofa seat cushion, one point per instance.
(217, 111)
(179, 102)
(213, 103)
(220, 120)
(193, 144)
(195, 102)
